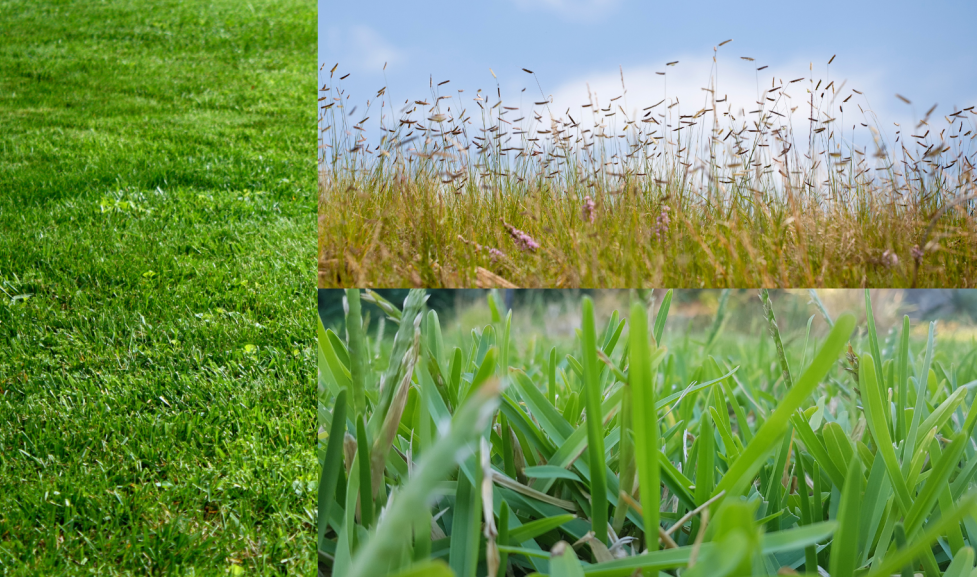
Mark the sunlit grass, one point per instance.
(466, 190)
(155, 223)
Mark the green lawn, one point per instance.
(156, 256)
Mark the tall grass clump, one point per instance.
(626, 450)
(469, 189)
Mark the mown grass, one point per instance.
(656, 195)
(846, 450)
(155, 288)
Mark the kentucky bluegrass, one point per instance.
(707, 459)
(469, 189)
(155, 288)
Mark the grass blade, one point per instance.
(366, 490)
(357, 350)
(536, 528)
(394, 528)
(741, 471)
(464, 529)
(595, 428)
(781, 541)
(877, 416)
(910, 444)
(432, 568)
(873, 341)
(902, 381)
(563, 561)
(339, 370)
(810, 552)
(662, 315)
(924, 540)
(844, 548)
(645, 421)
(775, 335)
(820, 306)
(935, 483)
(333, 463)
(626, 463)
(551, 374)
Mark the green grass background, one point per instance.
(156, 255)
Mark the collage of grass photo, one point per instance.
(598, 290)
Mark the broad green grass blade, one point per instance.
(817, 449)
(705, 476)
(742, 471)
(723, 559)
(918, 546)
(464, 529)
(340, 372)
(954, 534)
(941, 414)
(910, 444)
(645, 421)
(550, 472)
(873, 341)
(962, 564)
(877, 415)
(333, 463)
(564, 562)
(551, 374)
(626, 462)
(935, 483)
(366, 490)
(546, 414)
(504, 536)
(662, 316)
(902, 381)
(485, 370)
(781, 541)
(431, 568)
(844, 547)
(810, 552)
(357, 351)
(536, 528)
(394, 529)
(595, 428)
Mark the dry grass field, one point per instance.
(466, 190)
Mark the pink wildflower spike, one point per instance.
(522, 240)
(661, 223)
(494, 253)
(588, 209)
(917, 254)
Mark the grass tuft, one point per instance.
(710, 461)
(465, 191)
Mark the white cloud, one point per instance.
(362, 48)
(578, 10)
(740, 86)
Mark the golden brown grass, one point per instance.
(707, 199)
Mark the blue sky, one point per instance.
(925, 51)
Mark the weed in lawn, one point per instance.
(715, 453)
